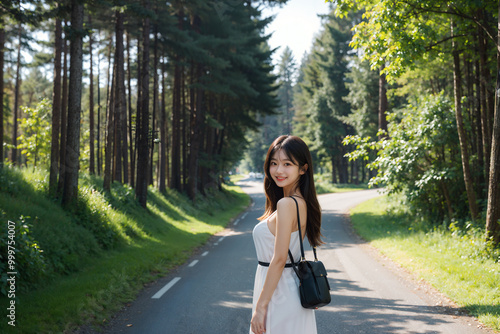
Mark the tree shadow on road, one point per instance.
(355, 314)
(351, 311)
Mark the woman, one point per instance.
(276, 302)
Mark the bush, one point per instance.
(20, 253)
(419, 159)
(45, 233)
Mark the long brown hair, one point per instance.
(298, 152)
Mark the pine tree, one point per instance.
(70, 191)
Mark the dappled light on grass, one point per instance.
(454, 260)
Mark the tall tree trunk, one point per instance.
(122, 95)
(70, 191)
(64, 119)
(457, 80)
(2, 56)
(487, 90)
(141, 189)
(208, 145)
(382, 101)
(110, 134)
(117, 147)
(218, 167)
(477, 121)
(15, 113)
(334, 172)
(484, 81)
(163, 133)
(130, 115)
(192, 159)
(184, 130)
(109, 124)
(124, 124)
(155, 104)
(56, 109)
(288, 105)
(91, 109)
(176, 116)
(493, 210)
(446, 195)
(474, 137)
(99, 151)
(197, 120)
(120, 111)
(355, 171)
(138, 112)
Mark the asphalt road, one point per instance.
(212, 292)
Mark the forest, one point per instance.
(401, 94)
(177, 94)
(138, 92)
(130, 116)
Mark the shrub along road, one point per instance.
(212, 292)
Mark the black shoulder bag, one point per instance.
(314, 288)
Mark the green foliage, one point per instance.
(23, 194)
(91, 214)
(419, 158)
(473, 247)
(362, 83)
(320, 100)
(20, 253)
(239, 82)
(399, 33)
(36, 133)
(272, 126)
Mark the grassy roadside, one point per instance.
(99, 256)
(454, 259)
(325, 186)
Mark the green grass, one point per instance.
(236, 177)
(325, 186)
(101, 253)
(454, 259)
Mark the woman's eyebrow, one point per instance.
(286, 159)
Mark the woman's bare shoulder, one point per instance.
(285, 204)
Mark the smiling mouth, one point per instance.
(280, 178)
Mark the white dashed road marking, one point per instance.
(170, 284)
(166, 288)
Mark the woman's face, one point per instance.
(283, 170)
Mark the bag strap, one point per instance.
(303, 258)
(300, 237)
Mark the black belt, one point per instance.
(266, 264)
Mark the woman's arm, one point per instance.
(285, 220)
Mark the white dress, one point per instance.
(285, 314)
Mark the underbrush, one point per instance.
(453, 257)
